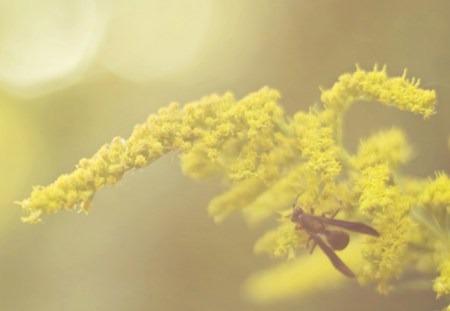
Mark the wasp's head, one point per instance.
(296, 214)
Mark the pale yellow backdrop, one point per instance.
(75, 74)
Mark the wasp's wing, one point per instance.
(335, 260)
(351, 226)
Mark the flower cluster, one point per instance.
(270, 158)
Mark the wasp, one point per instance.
(329, 240)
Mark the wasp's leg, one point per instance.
(313, 246)
(325, 214)
(335, 260)
(294, 203)
(335, 213)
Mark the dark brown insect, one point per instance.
(317, 227)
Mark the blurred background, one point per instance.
(75, 74)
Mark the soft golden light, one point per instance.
(153, 39)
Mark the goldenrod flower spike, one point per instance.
(375, 85)
(268, 159)
(441, 284)
(222, 134)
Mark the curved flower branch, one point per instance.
(269, 158)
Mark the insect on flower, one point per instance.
(317, 229)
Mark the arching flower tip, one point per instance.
(375, 85)
(33, 218)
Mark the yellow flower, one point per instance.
(376, 85)
(442, 284)
(270, 159)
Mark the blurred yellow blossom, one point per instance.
(269, 159)
(377, 161)
(442, 283)
(308, 275)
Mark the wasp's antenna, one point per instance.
(294, 203)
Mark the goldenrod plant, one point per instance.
(269, 158)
